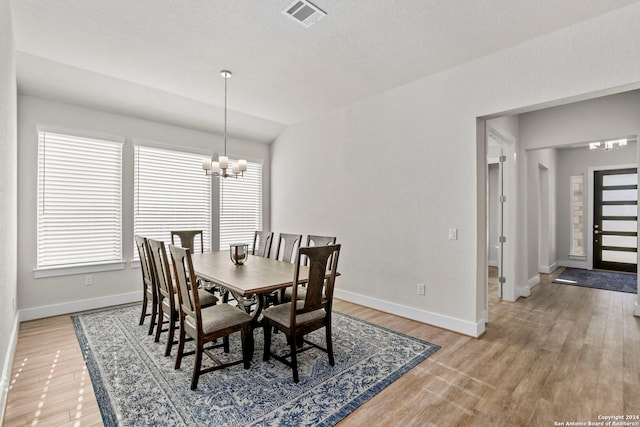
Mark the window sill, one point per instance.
(40, 273)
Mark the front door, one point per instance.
(615, 220)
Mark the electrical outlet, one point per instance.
(453, 234)
(421, 289)
(88, 280)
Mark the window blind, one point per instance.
(171, 192)
(79, 200)
(241, 206)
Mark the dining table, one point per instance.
(254, 281)
(250, 283)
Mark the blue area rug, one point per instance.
(135, 385)
(611, 281)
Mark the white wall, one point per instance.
(64, 294)
(8, 199)
(593, 120)
(390, 174)
(541, 166)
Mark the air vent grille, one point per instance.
(304, 12)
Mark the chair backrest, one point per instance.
(187, 239)
(291, 241)
(160, 263)
(184, 274)
(145, 265)
(263, 240)
(319, 241)
(319, 290)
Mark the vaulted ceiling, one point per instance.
(160, 59)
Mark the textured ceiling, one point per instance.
(160, 59)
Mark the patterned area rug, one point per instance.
(137, 386)
(611, 281)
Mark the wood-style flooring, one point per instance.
(565, 354)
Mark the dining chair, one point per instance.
(262, 243)
(205, 325)
(187, 238)
(167, 293)
(149, 292)
(310, 314)
(312, 240)
(288, 243)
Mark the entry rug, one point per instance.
(135, 385)
(611, 281)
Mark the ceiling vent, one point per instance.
(304, 12)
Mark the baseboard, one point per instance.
(446, 322)
(525, 291)
(573, 264)
(76, 306)
(5, 381)
(548, 269)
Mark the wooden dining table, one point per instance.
(249, 283)
(257, 275)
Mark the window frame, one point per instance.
(221, 207)
(135, 260)
(43, 271)
(577, 206)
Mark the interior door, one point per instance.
(615, 220)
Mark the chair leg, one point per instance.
(267, 341)
(159, 326)
(196, 365)
(154, 312)
(144, 308)
(294, 359)
(225, 344)
(172, 329)
(329, 344)
(246, 336)
(180, 345)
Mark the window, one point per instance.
(79, 201)
(577, 215)
(241, 206)
(171, 192)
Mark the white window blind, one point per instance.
(241, 206)
(79, 200)
(171, 192)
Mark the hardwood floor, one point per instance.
(563, 354)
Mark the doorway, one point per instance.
(615, 219)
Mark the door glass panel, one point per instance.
(620, 210)
(624, 179)
(619, 241)
(616, 256)
(620, 226)
(619, 195)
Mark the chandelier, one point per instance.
(607, 145)
(223, 168)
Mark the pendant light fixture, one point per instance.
(222, 167)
